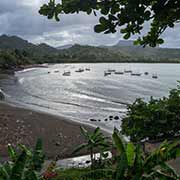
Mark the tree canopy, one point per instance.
(156, 119)
(126, 16)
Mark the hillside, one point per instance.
(138, 53)
(14, 42)
(15, 51)
(79, 53)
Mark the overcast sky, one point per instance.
(20, 17)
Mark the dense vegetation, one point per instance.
(10, 59)
(15, 52)
(129, 163)
(156, 119)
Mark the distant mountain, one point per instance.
(67, 46)
(44, 47)
(82, 53)
(123, 51)
(138, 53)
(123, 43)
(14, 42)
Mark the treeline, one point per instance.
(11, 59)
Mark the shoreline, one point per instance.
(19, 125)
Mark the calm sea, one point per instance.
(90, 94)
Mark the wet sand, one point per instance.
(17, 125)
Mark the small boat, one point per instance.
(127, 71)
(67, 73)
(154, 76)
(80, 70)
(49, 72)
(146, 73)
(111, 70)
(118, 72)
(87, 69)
(107, 73)
(56, 71)
(135, 74)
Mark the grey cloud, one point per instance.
(20, 17)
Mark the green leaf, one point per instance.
(12, 153)
(19, 166)
(38, 156)
(130, 153)
(160, 41)
(121, 167)
(118, 142)
(4, 175)
(167, 168)
(102, 20)
(85, 132)
(105, 10)
(80, 147)
(127, 36)
(31, 175)
(99, 28)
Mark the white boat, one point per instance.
(107, 73)
(67, 73)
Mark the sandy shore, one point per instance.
(18, 125)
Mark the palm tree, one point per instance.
(94, 141)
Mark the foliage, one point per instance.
(133, 164)
(16, 52)
(10, 59)
(153, 120)
(94, 141)
(23, 165)
(128, 15)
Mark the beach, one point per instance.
(17, 125)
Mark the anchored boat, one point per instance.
(67, 73)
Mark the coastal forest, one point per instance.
(15, 52)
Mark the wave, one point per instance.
(21, 80)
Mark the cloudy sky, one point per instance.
(20, 17)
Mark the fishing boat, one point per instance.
(119, 72)
(111, 70)
(67, 73)
(80, 70)
(127, 71)
(135, 74)
(106, 73)
(154, 76)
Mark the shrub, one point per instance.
(153, 120)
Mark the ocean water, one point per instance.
(89, 94)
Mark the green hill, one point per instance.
(15, 51)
